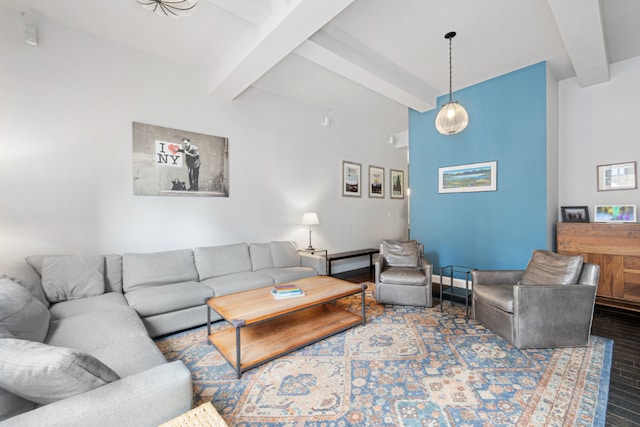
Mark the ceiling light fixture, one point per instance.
(452, 118)
(171, 8)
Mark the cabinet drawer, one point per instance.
(632, 286)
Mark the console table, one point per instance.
(351, 254)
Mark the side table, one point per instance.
(448, 272)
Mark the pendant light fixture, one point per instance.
(452, 118)
(171, 8)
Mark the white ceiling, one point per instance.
(367, 59)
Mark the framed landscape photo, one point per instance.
(397, 184)
(617, 176)
(376, 182)
(468, 178)
(575, 214)
(351, 179)
(615, 213)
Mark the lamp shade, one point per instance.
(310, 218)
(452, 118)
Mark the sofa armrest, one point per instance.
(555, 315)
(495, 277)
(317, 262)
(144, 399)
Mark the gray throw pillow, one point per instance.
(285, 254)
(550, 268)
(401, 254)
(23, 315)
(44, 374)
(72, 277)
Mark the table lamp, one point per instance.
(310, 218)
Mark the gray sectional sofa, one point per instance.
(76, 332)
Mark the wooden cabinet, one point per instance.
(616, 248)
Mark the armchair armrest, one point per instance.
(144, 399)
(495, 277)
(553, 315)
(379, 264)
(427, 267)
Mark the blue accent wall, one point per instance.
(484, 230)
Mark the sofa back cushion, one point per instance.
(23, 315)
(285, 254)
(44, 374)
(401, 254)
(260, 256)
(66, 278)
(159, 268)
(550, 268)
(25, 275)
(215, 261)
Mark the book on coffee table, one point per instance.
(289, 293)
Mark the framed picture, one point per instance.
(468, 178)
(575, 214)
(174, 162)
(376, 182)
(615, 213)
(617, 176)
(351, 179)
(397, 184)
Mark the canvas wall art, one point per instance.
(174, 162)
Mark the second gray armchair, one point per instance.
(403, 274)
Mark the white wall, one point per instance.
(66, 109)
(599, 125)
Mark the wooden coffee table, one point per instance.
(265, 328)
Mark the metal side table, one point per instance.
(450, 290)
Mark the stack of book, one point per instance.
(286, 291)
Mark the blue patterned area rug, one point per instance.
(408, 366)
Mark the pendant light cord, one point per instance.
(450, 72)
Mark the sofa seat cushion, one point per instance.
(167, 298)
(21, 313)
(87, 332)
(158, 268)
(237, 282)
(217, 261)
(87, 305)
(403, 276)
(44, 374)
(130, 356)
(497, 295)
(288, 274)
(550, 268)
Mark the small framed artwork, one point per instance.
(397, 184)
(351, 179)
(615, 213)
(468, 178)
(575, 214)
(617, 176)
(376, 182)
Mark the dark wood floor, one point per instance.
(623, 327)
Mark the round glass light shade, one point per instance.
(171, 8)
(452, 119)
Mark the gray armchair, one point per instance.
(550, 304)
(403, 274)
